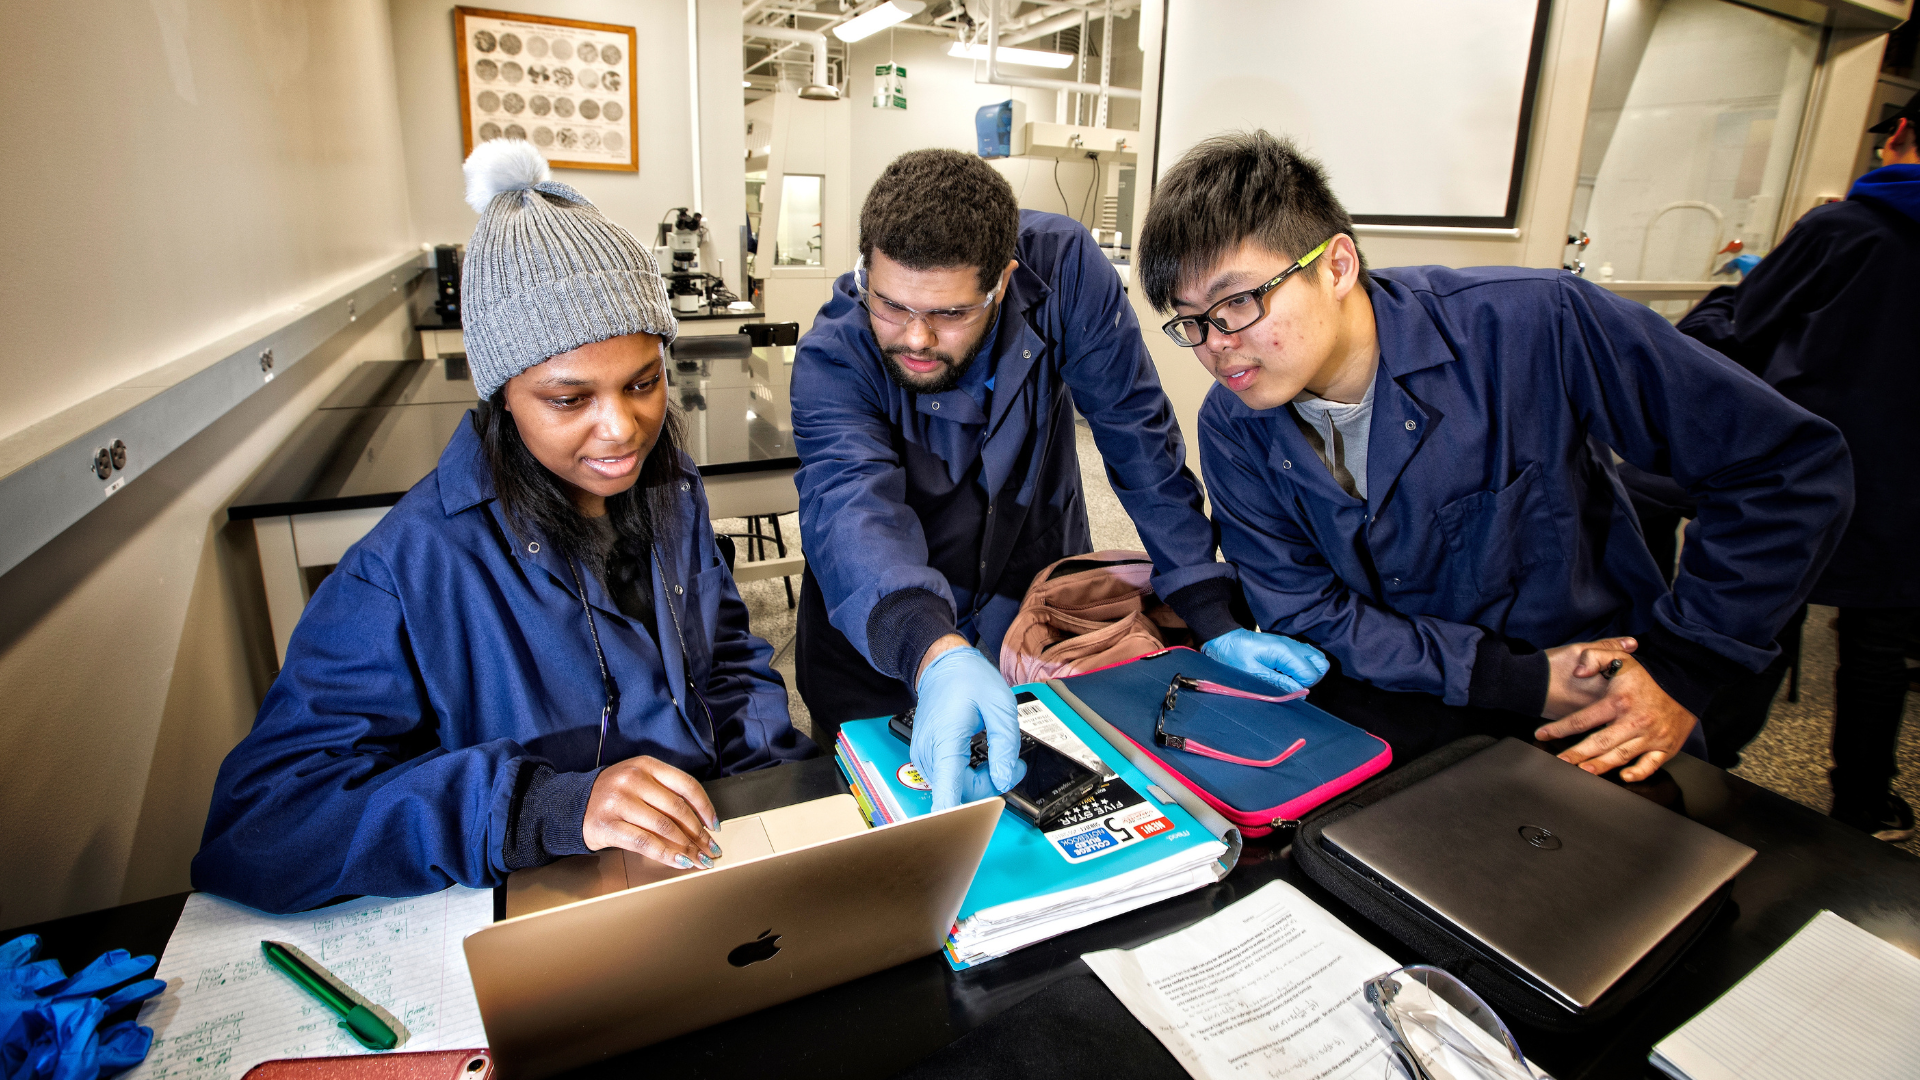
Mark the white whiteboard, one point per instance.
(1418, 108)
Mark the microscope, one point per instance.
(681, 233)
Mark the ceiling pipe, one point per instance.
(772, 56)
(1054, 18)
(820, 89)
(1041, 29)
(996, 78)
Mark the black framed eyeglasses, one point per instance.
(1232, 314)
(1163, 737)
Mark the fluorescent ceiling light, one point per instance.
(746, 84)
(1024, 57)
(868, 23)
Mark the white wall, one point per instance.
(722, 119)
(195, 165)
(182, 168)
(429, 98)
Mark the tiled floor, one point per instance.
(1790, 756)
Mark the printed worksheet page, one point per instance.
(1269, 987)
(226, 1009)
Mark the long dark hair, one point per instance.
(535, 505)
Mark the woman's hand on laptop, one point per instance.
(650, 808)
(1634, 723)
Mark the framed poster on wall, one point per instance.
(565, 86)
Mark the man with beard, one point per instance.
(933, 409)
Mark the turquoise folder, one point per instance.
(1020, 863)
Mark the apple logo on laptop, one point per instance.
(760, 948)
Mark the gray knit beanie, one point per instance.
(545, 272)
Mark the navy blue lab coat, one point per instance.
(1828, 319)
(442, 657)
(958, 499)
(1493, 507)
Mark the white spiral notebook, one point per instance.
(1834, 1001)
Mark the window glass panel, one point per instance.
(799, 240)
(1690, 137)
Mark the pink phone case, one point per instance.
(429, 1065)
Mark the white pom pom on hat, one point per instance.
(500, 165)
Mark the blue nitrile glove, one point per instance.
(50, 1024)
(959, 693)
(1277, 659)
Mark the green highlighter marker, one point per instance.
(356, 1015)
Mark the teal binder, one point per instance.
(1021, 865)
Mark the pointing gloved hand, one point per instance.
(960, 692)
(1277, 659)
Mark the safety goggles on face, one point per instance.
(1232, 314)
(1440, 1030)
(939, 320)
(1163, 737)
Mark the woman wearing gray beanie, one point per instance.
(539, 650)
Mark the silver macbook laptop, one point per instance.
(1569, 878)
(807, 898)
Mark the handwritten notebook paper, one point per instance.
(1833, 1001)
(226, 1010)
(1268, 987)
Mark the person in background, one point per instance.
(538, 650)
(1410, 468)
(1826, 319)
(933, 410)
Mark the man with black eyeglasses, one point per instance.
(933, 409)
(1413, 470)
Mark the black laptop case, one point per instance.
(1515, 999)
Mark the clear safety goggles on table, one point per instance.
(1440, 1030)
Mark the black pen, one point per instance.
(1612, 669)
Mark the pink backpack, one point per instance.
(1087, 612)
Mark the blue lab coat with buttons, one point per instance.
(1493, 506)
(870, 451)
(445, 654)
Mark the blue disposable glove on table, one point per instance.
(961, 692)
(1274, 658)
(50, 1024)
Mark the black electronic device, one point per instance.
(1053, 781)
(902, 727)
(1053, 784)
(446, 273)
